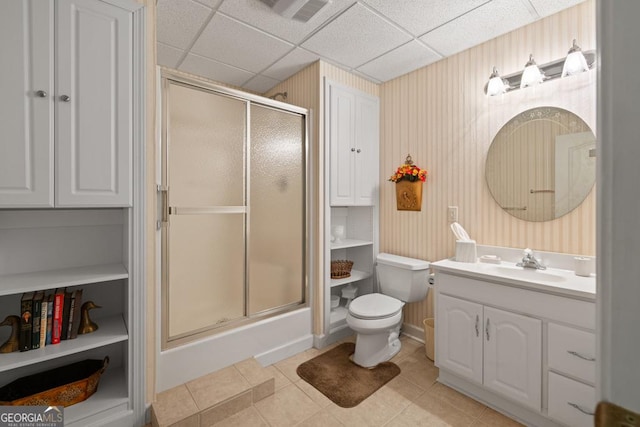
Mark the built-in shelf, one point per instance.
(111, 396)
(350, 243)
(355, 276)
(338, 314)
(51, 279)
(111, 330)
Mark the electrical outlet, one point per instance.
(452, 213)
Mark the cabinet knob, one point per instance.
(353, 149)
(65, 98)
(358, 150)
(41, 94)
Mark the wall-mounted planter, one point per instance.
(409, 195)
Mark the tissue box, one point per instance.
(466, 251)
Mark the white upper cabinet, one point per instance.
(353, 133)
(84, 81)
(93, 104)
(26, 107)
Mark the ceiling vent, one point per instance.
(300, 10)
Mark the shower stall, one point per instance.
(233, 209)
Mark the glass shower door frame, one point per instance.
(167, 211)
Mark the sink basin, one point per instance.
(528, 273)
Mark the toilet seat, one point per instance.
(375, 306)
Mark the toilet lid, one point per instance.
(374, 306)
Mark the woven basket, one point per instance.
(341, 268)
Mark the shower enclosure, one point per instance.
(234, 227)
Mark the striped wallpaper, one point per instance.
(441, 116)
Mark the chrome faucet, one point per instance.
(530, 261)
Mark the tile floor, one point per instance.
(413, 398)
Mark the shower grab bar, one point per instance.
(541, 191)
(173, 210)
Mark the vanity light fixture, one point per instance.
(576, 61)
(531, 75)
(496, 84)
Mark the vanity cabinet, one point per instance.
(352, 122)
(525, 349)
(67, 103)
(493, 347)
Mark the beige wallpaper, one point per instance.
(441, 116)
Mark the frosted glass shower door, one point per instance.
(204, 241)
(277, 216)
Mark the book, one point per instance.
(65, 315)
(35, 322)
(58, 306)
(74, 318)
(50, 300)
(26, 315)
(43, 320)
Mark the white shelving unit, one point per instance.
(351, 165)
(60, 278)
(70, 216)
(88, 249)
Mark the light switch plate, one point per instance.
(452, 213)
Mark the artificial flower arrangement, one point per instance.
(409, 172)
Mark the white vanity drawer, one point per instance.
(571, 402)
(572, 352)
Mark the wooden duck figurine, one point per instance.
(13, 342)
(86, 325)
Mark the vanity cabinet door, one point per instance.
(459, 337)
(513, 356)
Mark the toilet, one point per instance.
(376, 318)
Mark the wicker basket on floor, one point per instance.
(341, 268)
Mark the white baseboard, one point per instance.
(413, 332)
(292, 348)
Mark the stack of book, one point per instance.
(46, 318)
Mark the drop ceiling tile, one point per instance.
(214, 70)
(295, 61)
(239, 45)
(258, 14)
(549, 7)
(210, 3)
(481, 24)
(179, 21)
(355, 37)
(420, 16)
(169, 56)
(260, 84)
(402, 60)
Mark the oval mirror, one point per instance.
(541, 165)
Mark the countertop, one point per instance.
(552, 280)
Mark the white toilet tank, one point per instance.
(403, 278)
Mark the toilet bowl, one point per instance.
(376, 318)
